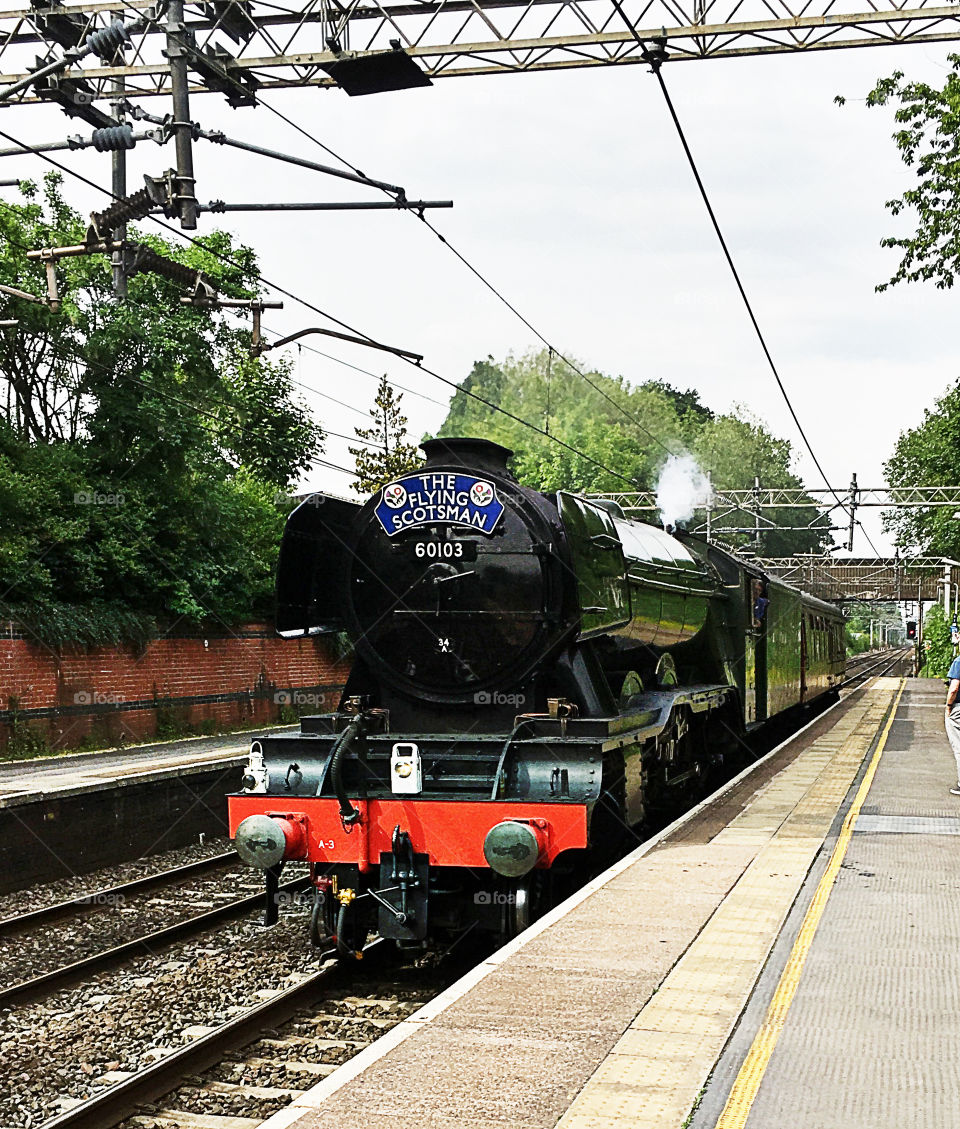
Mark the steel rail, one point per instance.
(100, 898)
(48, 982)
(122, 1100)
(894, 662)
(886, 661)
(865, 658)
(868, 657)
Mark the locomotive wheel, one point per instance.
(679, 768)
(525, 904)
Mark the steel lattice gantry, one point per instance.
(758, 502)
(773, 497)
(261, 45)
(864, 578)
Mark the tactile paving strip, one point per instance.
(906, 825)
(653, 1075)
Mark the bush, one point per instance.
(857, 641)
(24, 742)
(937, 648)
(99, 623)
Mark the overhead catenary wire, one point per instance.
(357, 368)
(323, 313)
(387, 189)
(533, 329)
(655, 62)
(655, 66)
(552, 350)
(630, 416)
(390, 191)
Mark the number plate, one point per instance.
(442, 550)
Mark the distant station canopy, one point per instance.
(865, 578)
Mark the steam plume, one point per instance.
(681, 487)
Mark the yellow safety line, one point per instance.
(747, 1083)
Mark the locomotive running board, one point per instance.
(627, 728)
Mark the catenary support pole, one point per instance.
(118, 180)
(853, 512)
(182, 125)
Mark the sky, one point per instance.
(572, 195)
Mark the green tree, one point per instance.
(928, 138)
(882, 614)
(388, 455)
(260, 424)
(927, 455)
(686, 403)
(137, 441)
(629, 429)
(856, 641)
(543, 389)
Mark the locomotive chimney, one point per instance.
(471, 454)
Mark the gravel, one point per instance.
(61, 1050)
(27, 954)
(125, 1019)
(64, 889)
(56, 1052)
(280, 1061)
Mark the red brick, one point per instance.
(170, 667)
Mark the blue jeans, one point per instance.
(952, 725)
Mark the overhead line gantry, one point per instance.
(238, 47)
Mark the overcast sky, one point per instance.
(572, 194)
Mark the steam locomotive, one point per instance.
(535, 678)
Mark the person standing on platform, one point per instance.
(951, 716)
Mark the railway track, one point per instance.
(91, 903)
(125, 1097)
(97, 1041)
(148, 943)
(861, 667)
(290, 1044)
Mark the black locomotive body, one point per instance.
(535, 677)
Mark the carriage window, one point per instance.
(759, 600)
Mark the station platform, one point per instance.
(782, 956)
(24, 780)
(67, 815)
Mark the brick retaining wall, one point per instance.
(122, 695)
